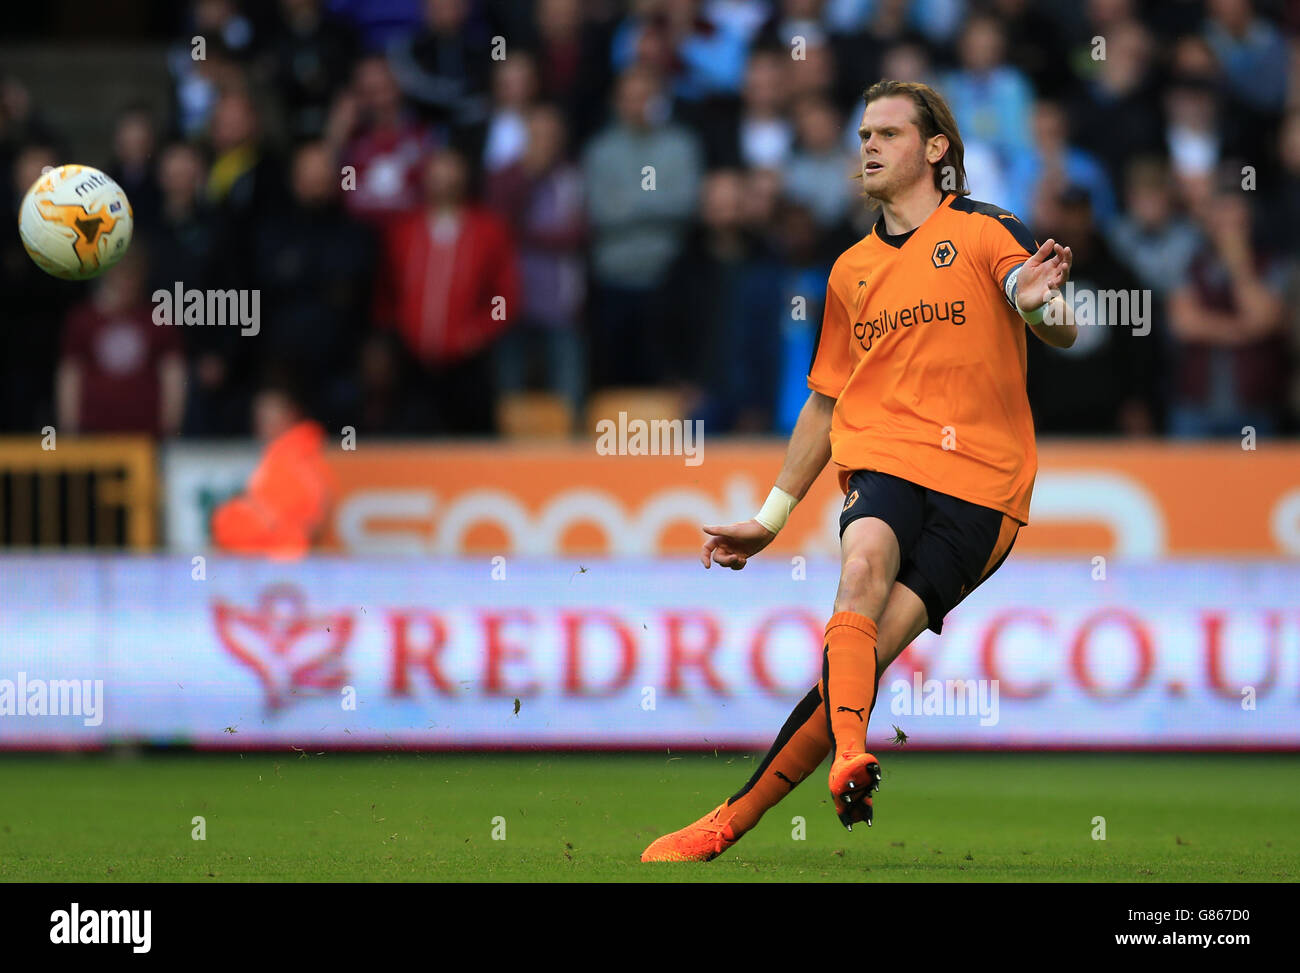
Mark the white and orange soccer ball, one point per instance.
(75, 222)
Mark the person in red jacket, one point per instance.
(449, 287)
(288, 495)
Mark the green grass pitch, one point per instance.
(430, 817)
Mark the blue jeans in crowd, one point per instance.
(554, 351)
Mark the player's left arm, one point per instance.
(1031, 276)
(1038, 294)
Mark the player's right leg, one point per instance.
(801, 745)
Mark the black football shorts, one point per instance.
(947, 546)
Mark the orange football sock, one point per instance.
(798, 749)
(849, 679)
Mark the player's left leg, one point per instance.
(959, 545)
(871, 557)
(903, 619)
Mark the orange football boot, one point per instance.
(702, 841)
(854, 776)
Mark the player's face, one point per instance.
(891, 149)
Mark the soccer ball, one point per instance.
(75, 222)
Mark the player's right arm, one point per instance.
(810, 446)
(805, 457)
(810, 443)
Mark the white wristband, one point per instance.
(1034, 316)
(776, 510)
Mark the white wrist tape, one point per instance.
(1034, 316)
(776, 510)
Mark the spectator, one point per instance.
(742, 18)
(1084, 23)
(812, 74)
(729, 283)
(312, 55)
(449, 286)
(699, 56)
(861, 38)
(937, 20)
(1192, 134)
(35, 304)
(990, 99)
(542, 196)
(120, 373)
(289, 494)
(573, 64)
(444, 69)
(1053, 158)
(313, 267)
(642, 178)
(794, 19)
(183, 242)
(820, 173)
(21, 125)
(1034, 45)
(1253, 55)
(761, 205)
(1283, 204)
(760, 135)
(380, 23)
(223, 19)
(1230, 355)
(384, 394)
(1116, 113)
(904, 62)
(804, 266)
(244, 183)
(1192, 59)
(132, 165)
(514, 88)
(1252, 62)
(227, 40)
(1152, 237)
(1105, 382)
(385, 145)
(182, 250)
(1283, 211)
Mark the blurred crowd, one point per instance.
(447, 202)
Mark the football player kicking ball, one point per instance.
(918, 395)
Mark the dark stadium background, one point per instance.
(1126, 158)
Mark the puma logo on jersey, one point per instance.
(850, 709)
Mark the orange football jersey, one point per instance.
(925, 357)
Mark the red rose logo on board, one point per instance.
(293, 652)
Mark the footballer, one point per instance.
(918, 397)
